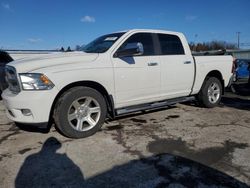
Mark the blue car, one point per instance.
(242, 70)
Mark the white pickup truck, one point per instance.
(116, 74)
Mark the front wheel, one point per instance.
(210, 93)
(80, 112)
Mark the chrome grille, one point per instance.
(11, 79)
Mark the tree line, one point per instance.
(213, 45)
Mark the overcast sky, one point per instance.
(50, 24)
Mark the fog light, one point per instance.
(26, 112)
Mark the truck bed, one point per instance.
(204, 64)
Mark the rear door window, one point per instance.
(170, 45)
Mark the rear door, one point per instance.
(177, 67)
(137, 78)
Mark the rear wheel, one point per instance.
(80, 112)
(210, 93)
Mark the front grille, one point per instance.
(11, 79)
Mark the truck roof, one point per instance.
(151, 31)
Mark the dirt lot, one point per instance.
(182, 146)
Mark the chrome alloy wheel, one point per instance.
(213, 93)
(84, 113)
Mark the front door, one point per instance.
(137, 78)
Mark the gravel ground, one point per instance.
(180, 146)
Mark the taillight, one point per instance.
(233, 65)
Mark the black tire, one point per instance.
(203, 96)
(66, 103)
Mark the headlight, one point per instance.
(35, 81)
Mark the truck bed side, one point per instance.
(207, 64)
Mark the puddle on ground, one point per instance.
(114, 127)
(6, 137)
(247, 121)
(206, 156)
(138, 120)
(172, 117)
(2, 156)
(182, 172)
(24, 150)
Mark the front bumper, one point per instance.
(39, 104)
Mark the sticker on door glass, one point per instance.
(110, 38)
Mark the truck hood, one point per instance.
(49, 60)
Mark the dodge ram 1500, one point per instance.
(116, 74)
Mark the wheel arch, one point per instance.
(92, 84)
(216, 74)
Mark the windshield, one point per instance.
(102, 44)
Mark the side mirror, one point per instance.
(131, 49)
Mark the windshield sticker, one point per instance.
(111, 38)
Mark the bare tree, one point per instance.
(213, 45)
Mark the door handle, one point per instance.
(187, 62)
(153, 64)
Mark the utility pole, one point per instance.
(238, 37)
